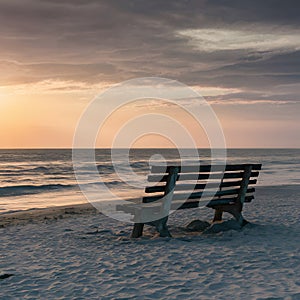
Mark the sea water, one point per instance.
(44, 178)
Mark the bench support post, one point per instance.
(161, 224)
(241, 196)
(218, 215)
(137, 230)
(162, 227)
(236, 208)
(236, 211)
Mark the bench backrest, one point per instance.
(221, 184)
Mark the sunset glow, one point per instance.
(247, 70)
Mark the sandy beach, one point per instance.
(76, 252)
(168, 104)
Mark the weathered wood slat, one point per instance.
(131, 208)
(195, 204)
(236, 183)
(201, 186)
(195, 195)
(203, 168)
(163, 178)
(223, 201)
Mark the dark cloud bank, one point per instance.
(252, 46)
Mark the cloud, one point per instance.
(230, 46)
(250, 102)
(14, 72)
(215, 39)
(54, 87)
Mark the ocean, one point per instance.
(44, 178)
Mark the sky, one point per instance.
(242, 56)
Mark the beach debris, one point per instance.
(223, 226)
(68, 230)
(70, 211)
(6, 275)
(100, 231)
(93, 232)
(197, 225)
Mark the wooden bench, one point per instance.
(227, 188)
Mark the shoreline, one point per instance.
(21, 217)
(41, 214)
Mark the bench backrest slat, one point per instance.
(196, 195)
(186, 186)
(203, 168)
(195, 204)
(202, 181)
(201, 176)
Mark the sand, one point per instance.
(78, 253)
(44, 214)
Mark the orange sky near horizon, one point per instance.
(49, 119)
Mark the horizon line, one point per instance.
(136, 148)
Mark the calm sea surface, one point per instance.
(44, 178)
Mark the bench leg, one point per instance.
(235, 210)
(137, 230)
(162, 227)
(218, 215)
(239, 218)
